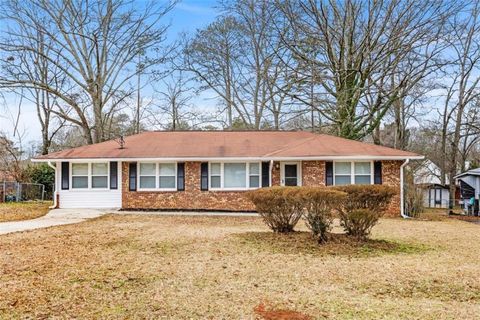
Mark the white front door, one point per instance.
(291, 174)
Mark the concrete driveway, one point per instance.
(55, 217)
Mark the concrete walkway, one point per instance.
(191, 213)
(55, 217)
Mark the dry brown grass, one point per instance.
(13, 211)
(234, 268)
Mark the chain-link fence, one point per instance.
(18, 191)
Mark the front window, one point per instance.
(353, 173)
(234, 175)
(363, 173)
(254, 178)
(79, 175)
(100, 175)
(216, 175)
(167, 176)
(343, 173)
(148, 173)
(158, 176)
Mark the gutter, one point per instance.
(402, 192)
(54, 206)
(270, 168)
(261, 158)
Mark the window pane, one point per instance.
(343, 168)
(167, 182)
(147, 169)
(167, 169)
(342, 180)
(215, 181)
(254, 181)
(79, 182)
(362, 167)
(147, 182)
(254, 168)
(100, 169)
(99, 182)
(215, 168)
(362, 179)
(80, 169)
(235, 175)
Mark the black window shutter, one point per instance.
(113, 175)
(132, 176)
(377, 172)
(329, 173)
(204, 176)
(181, 176)
(265, 174)
(65, 175)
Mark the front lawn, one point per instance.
(235, 268)
(13, 211)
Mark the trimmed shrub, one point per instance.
(372, 197)
(320, 204)
(358, 223)
(363, 207)
(279, 207)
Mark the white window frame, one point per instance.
(299, 172)
(222, 175)
(157, 176)
(352, 171)
(259, 175)
(89, 176)
(175, 174)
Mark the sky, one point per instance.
(187, 16)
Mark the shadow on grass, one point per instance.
(338, 244)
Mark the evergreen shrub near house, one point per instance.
(363, 207)
(320, 204)
(280, 207)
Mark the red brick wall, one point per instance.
(276, 173)
(391, 177)
(191, 199)
(313, 174)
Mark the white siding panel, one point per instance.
(89, 198)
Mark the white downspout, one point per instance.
(54, 206)
(270, 167)
(402, 196)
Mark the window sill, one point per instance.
(156, 190)
(231, 189)
(90, 189)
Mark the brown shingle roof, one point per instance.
(230, 144)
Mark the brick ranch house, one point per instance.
(210, 170)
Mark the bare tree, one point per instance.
(173, 108)
(34, 66)
(461, 82)
(211, 57)
(361, 44)
(94, 44)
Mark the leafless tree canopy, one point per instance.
(92, 45)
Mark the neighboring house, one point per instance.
(211, 170)
(427, 176)
(469, 182)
